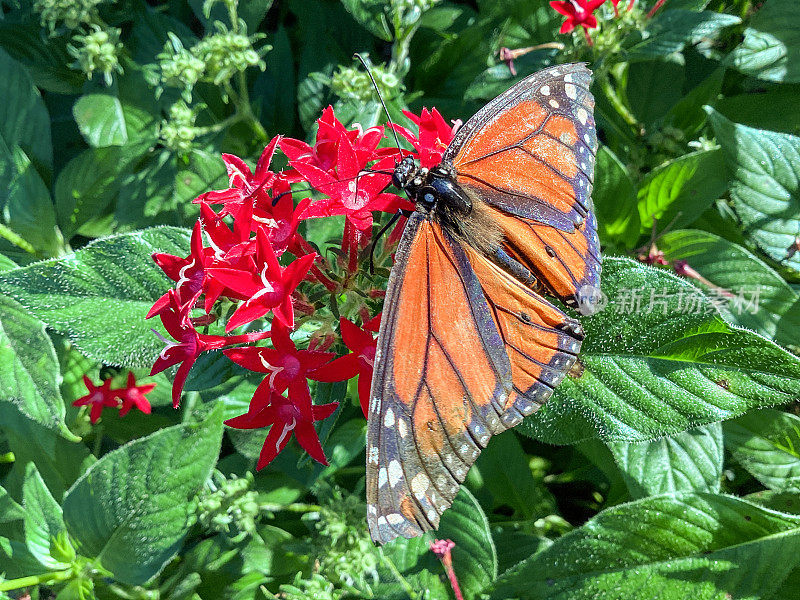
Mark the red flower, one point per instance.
(188, 272)
(134, 395)
(98, 398)
(244, 184)
(578, 12)
(268, 408)
(189, 343)
(434, 136)
(288, 367)
(616, 10)
(360, 361)
(265, 283)
(336, 166)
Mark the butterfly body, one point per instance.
(467, 346)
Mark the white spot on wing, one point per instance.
(419, 484)
(383, 477)
(395, 472)
(554, 103)
(545, 90)
(402, 427)
(583, 116)
(373, 455)
(388, 418)
(570, 91)
(395, 518)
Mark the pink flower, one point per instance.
(265, 283)
(270, 409)
(134, 395)
(99, 397)
(189, 344)
(360, 362)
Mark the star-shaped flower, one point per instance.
(270, 409)
(578, 12)
(99, 397)
(433, 138)
(265, 283)
(134, 395)
(360, 362)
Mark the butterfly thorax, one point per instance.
(437, 194)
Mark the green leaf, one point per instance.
(771, 46)
(17, 561)
(86, 186)
(688, 114)
(759, 298)
(9, 510)
(765, 190)
(98, 296)
(24, 121)
(614, 201)
(101, 120)
(132, 508)
(44, 520)
(670, 30)
(659, 360)
(748, 109)
(767, 444)
(371, 14)
(503, 473)
(474, 556)
(687, 462)
(29, 369)
(653, 88)
(670, 546)
(26, 204)
(682, 189)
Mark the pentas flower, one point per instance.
(337, 167)
(133, 395)
(360, 362)
(189, 344)
(578, 12)
(433, 138)
(188, 272)
(265, 283)
(287, 366)
(98, 398)
(245, 185)
(270, 409)
(281, 218)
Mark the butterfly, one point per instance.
(468, 346)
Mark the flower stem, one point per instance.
(31, 580)
(396, 572)
(297, 507)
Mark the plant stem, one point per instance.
(396, 572)
(297, 507)
(98, 440)
(617, 103)
(14, 238)
(31, 580)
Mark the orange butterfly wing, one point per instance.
(434, 405)
(530, 155)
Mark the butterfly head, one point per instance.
(404, 173)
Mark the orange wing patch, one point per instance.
(541, 341)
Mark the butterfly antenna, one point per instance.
(380, 97)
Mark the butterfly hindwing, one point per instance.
(529, 154)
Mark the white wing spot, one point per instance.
(419, 484)
(545, 90)
(388, 418)
(373, 455)
(395, 518)
(432, 516)
(568, 77)
(583, 116)
(395, 472)
(372, 510)
(383, 477)
(402, 428)
(570, 91)
(554, 103)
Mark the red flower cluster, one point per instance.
(581, 13)
(240, 253)
(124, 398)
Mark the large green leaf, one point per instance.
(99, 296)
(767, 444)
(771, 46)
(474, 556)
(766, 184)
(44, 520)
(748, 109)
(659, 360)
(671, 30)
(699, 546)
(690, 461)
(9, 510)
(757, 296)
(29, 369)
(24, 121)
(614, 201)
(682, 189)
(133, 507)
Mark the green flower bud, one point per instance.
(97, 51)
(71, 13)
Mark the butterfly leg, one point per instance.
(402, 212)
(515, 268)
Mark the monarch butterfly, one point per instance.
(467, 345)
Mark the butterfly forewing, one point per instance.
(530, 155)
